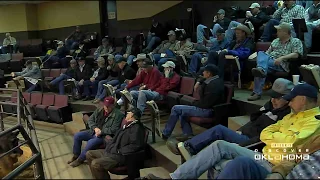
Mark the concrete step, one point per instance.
(73, 127)
(235, 123)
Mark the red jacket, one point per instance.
(150, 79)
(167, 84)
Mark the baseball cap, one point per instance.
(169, 64)
(254, 5)
(73, 61)
(302, 90)
(141, 56)
(221, 11)
(284, 26)
(121, 59)
(213, 69)
(171, 32)
(280, 87)
(105, 40)
(108, 101)
(28, 62)
(147, 63)
(110, 57)
(243, 28)
(220, 31)
(129, 37)
(60, 43)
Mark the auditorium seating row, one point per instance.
(44, 107)
(12, 62)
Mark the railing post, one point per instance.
(1, 120)
(18, 106)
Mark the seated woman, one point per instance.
(112, 78)
(104, 122)
(69, 74)
(92, 83)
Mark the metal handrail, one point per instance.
(28, 133)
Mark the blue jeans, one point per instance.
(230, 31)
(211, 156)
(6, 49)
(243, 168)
(170, 54)
(265, 62)
(87, 85)
(151, 41)
(71, 44)
(182, 112)
(156, 57)
(195, 62)
(101, 92)
(200, 33)
(31, 86)
(129, 58)
(269, 30)
(141, 97)
(60, 80)
(218, 132)
(93, 143)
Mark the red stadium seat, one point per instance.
(36, 98)
(11, 108)
(53, 74)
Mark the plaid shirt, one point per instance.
(307, 169)
(277, 49)
(286, 15)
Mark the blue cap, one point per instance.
(302, 90)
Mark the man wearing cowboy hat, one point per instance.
(31, 71)
(242, 47)
(168, 82)
(276, 58)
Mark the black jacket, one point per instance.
(211, 93)
(128, 139)
(260, 120)
(85, 74)
(134, 49)
(157, 30)
(102, 74)
(62, 52)
(71, 72)
(113, 73)
(224, 23)
(126, 73)
(259, 19)
(77, 36)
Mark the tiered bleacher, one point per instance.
(172, 83)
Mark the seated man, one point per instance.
(270, 113)
(154, 35)
(81, 51)
(7, 42)
(128, 51)
(312, 22)
(276, 58)
(31, 71)
(255, 16)
(83, 72)
(219, 22)
(286, 13)
(242, 47)
(112, 78)
(103, 122)
(168, 82)
(73, 40)
(299, 168)
(129, 139)
(294, 129)
(183, 47)
(56, 58)
(147, 79)
(211, 93)
(99, 74)
(69, 74)
(104, 49)
(164, 46)
(196, 59)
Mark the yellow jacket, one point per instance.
(293, 129)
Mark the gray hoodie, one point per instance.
(33, 72)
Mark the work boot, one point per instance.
(254, 97)
(172, 145)
(258, 72)
(77, 162)
(73, 159)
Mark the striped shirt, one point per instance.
(307, 169)
(287, 14)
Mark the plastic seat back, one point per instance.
(48, 99)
